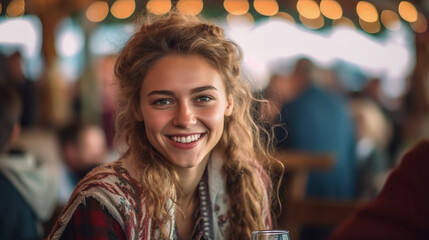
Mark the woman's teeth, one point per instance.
(187, 139)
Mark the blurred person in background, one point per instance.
(82, 147)
(105, 79)
(401, 209)
(25, 88)
(374, 133)
(315, 120)
(26, 185)
(309, 118)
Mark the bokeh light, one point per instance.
(407, 11)
(312, 23)
(97, 11)
(122, 9)
(308, 9)
(266, 7)
(158, 7)
(370, 27)
(421, 25)
(190, 7)
(390, 20)
(331, 9)
(236, 7)
(16, 8)
(367, 12)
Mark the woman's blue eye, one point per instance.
(204, 99)
(162, 102)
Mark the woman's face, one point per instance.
(183, 104)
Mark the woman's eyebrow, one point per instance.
(161, 92)
(203, 88)
(171, 93)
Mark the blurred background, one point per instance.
(373, 55)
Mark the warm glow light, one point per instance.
(1, 8)
(123, 8)
(370, 27)
(312, 23)
(343, 21)
(308, 9)
(97, 11)
(266, 7)
(158, 7)
(285, 16)
(421, 25)
(16, 8)
(407, 11)
(236, 7)
(367, 12)
(390, 20)
(331, 9)
(190, 7)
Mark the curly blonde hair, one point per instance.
(241, 140)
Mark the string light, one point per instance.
(331, 9)
(390, 19)
(97, 11)
(236, 7)
(310, 12)
(266, 7)
(16, 8)
(367, 12)
(407, 11)
(158, 7)
(190, 7)
(309, 9)
(122, 9)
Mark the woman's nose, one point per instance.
(185, 116)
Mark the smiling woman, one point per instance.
(189, 169)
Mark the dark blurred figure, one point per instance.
(83, 147)
(374, 132)
(315, 120)
(401, 210)
(25, 87)
(25, 183)
(108, 89)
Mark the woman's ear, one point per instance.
(138, 116)
(229, 106)
(137, 113)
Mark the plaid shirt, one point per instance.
(91, 221)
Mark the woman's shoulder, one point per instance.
(107, 177)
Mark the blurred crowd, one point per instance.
(41, 162)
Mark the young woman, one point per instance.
(192, 168)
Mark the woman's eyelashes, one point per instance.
(167, 101)
(204, 98)
(162, 102)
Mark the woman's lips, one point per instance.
(186, 141)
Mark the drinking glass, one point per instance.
(270, 235)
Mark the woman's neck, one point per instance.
(189, 179)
